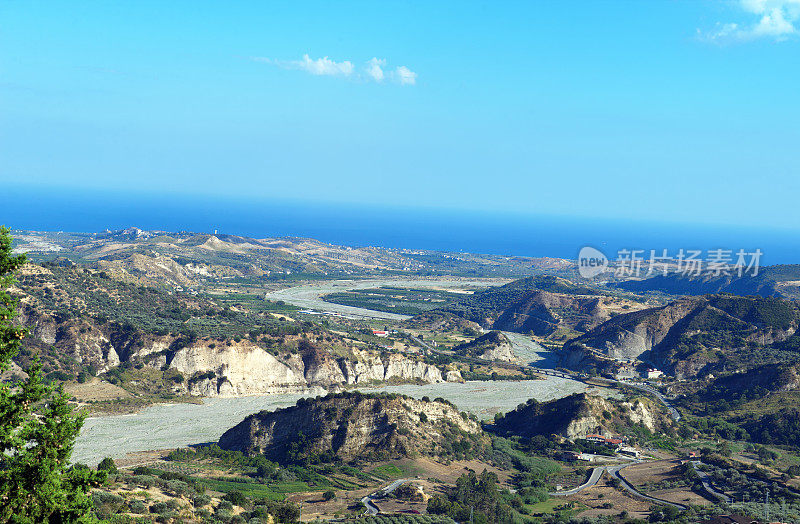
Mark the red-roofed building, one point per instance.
(594, 437)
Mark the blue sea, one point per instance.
(379, 224)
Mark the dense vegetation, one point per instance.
(37, 432)
(394, 300)
(76, 292)
(765, 284)
(474, 498)
(490, 302)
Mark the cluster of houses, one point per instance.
(617, 443)
(628, 370)
(383, 333)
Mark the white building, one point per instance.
(654, 373)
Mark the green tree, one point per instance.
(108, 465)
(37, 431)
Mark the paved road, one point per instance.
(597, 473)
(704, 478)
(372, 509)
(653, 391)
(594, 478)
(616, 472)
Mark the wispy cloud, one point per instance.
(405, 75)
(374, 70)
(774, 19)
(321, 66)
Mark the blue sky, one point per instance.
(659, 110)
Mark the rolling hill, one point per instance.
(771, 281)
(540, 305)
(580, 414)
(356, 426)
(693, 335)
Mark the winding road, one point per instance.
(633, 491)
(594, 478)
(372, 509)
(653, 391)
(615, 471)
(531, 356)
(706, 480)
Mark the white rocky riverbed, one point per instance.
(175, 425)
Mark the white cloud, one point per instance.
(405, 76)
(325, 66)
(774, 19)
(774, 23)
(321, 66)
(374, 70)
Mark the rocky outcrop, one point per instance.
(244, 368)
(581, 414)
(239, 369)
(216, 368)
(757, 382)
(491, 346)
(684, 336)
(355, 426)
(80, 339)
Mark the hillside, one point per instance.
(771, 281)
(760, 404)
(197, 260)
(355, 426)
(83, 323)
(541, 305)
(580, 414)
(492, 346)
(693, 335)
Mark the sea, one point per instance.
(382, 223)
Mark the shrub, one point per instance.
(201, 500)
(236, 497)
(137, 506)
(107, 464)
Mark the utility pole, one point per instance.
(470, 514)
(766, 507)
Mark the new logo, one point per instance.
(591, 262)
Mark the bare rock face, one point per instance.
(580, 414)
(239, 369)
(679, 337)
(454, 375)
(354, 426)
(78, 338)
(491, 346)
(41, 327)
(226, 368)
(244, 368)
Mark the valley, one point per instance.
(576, 398)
